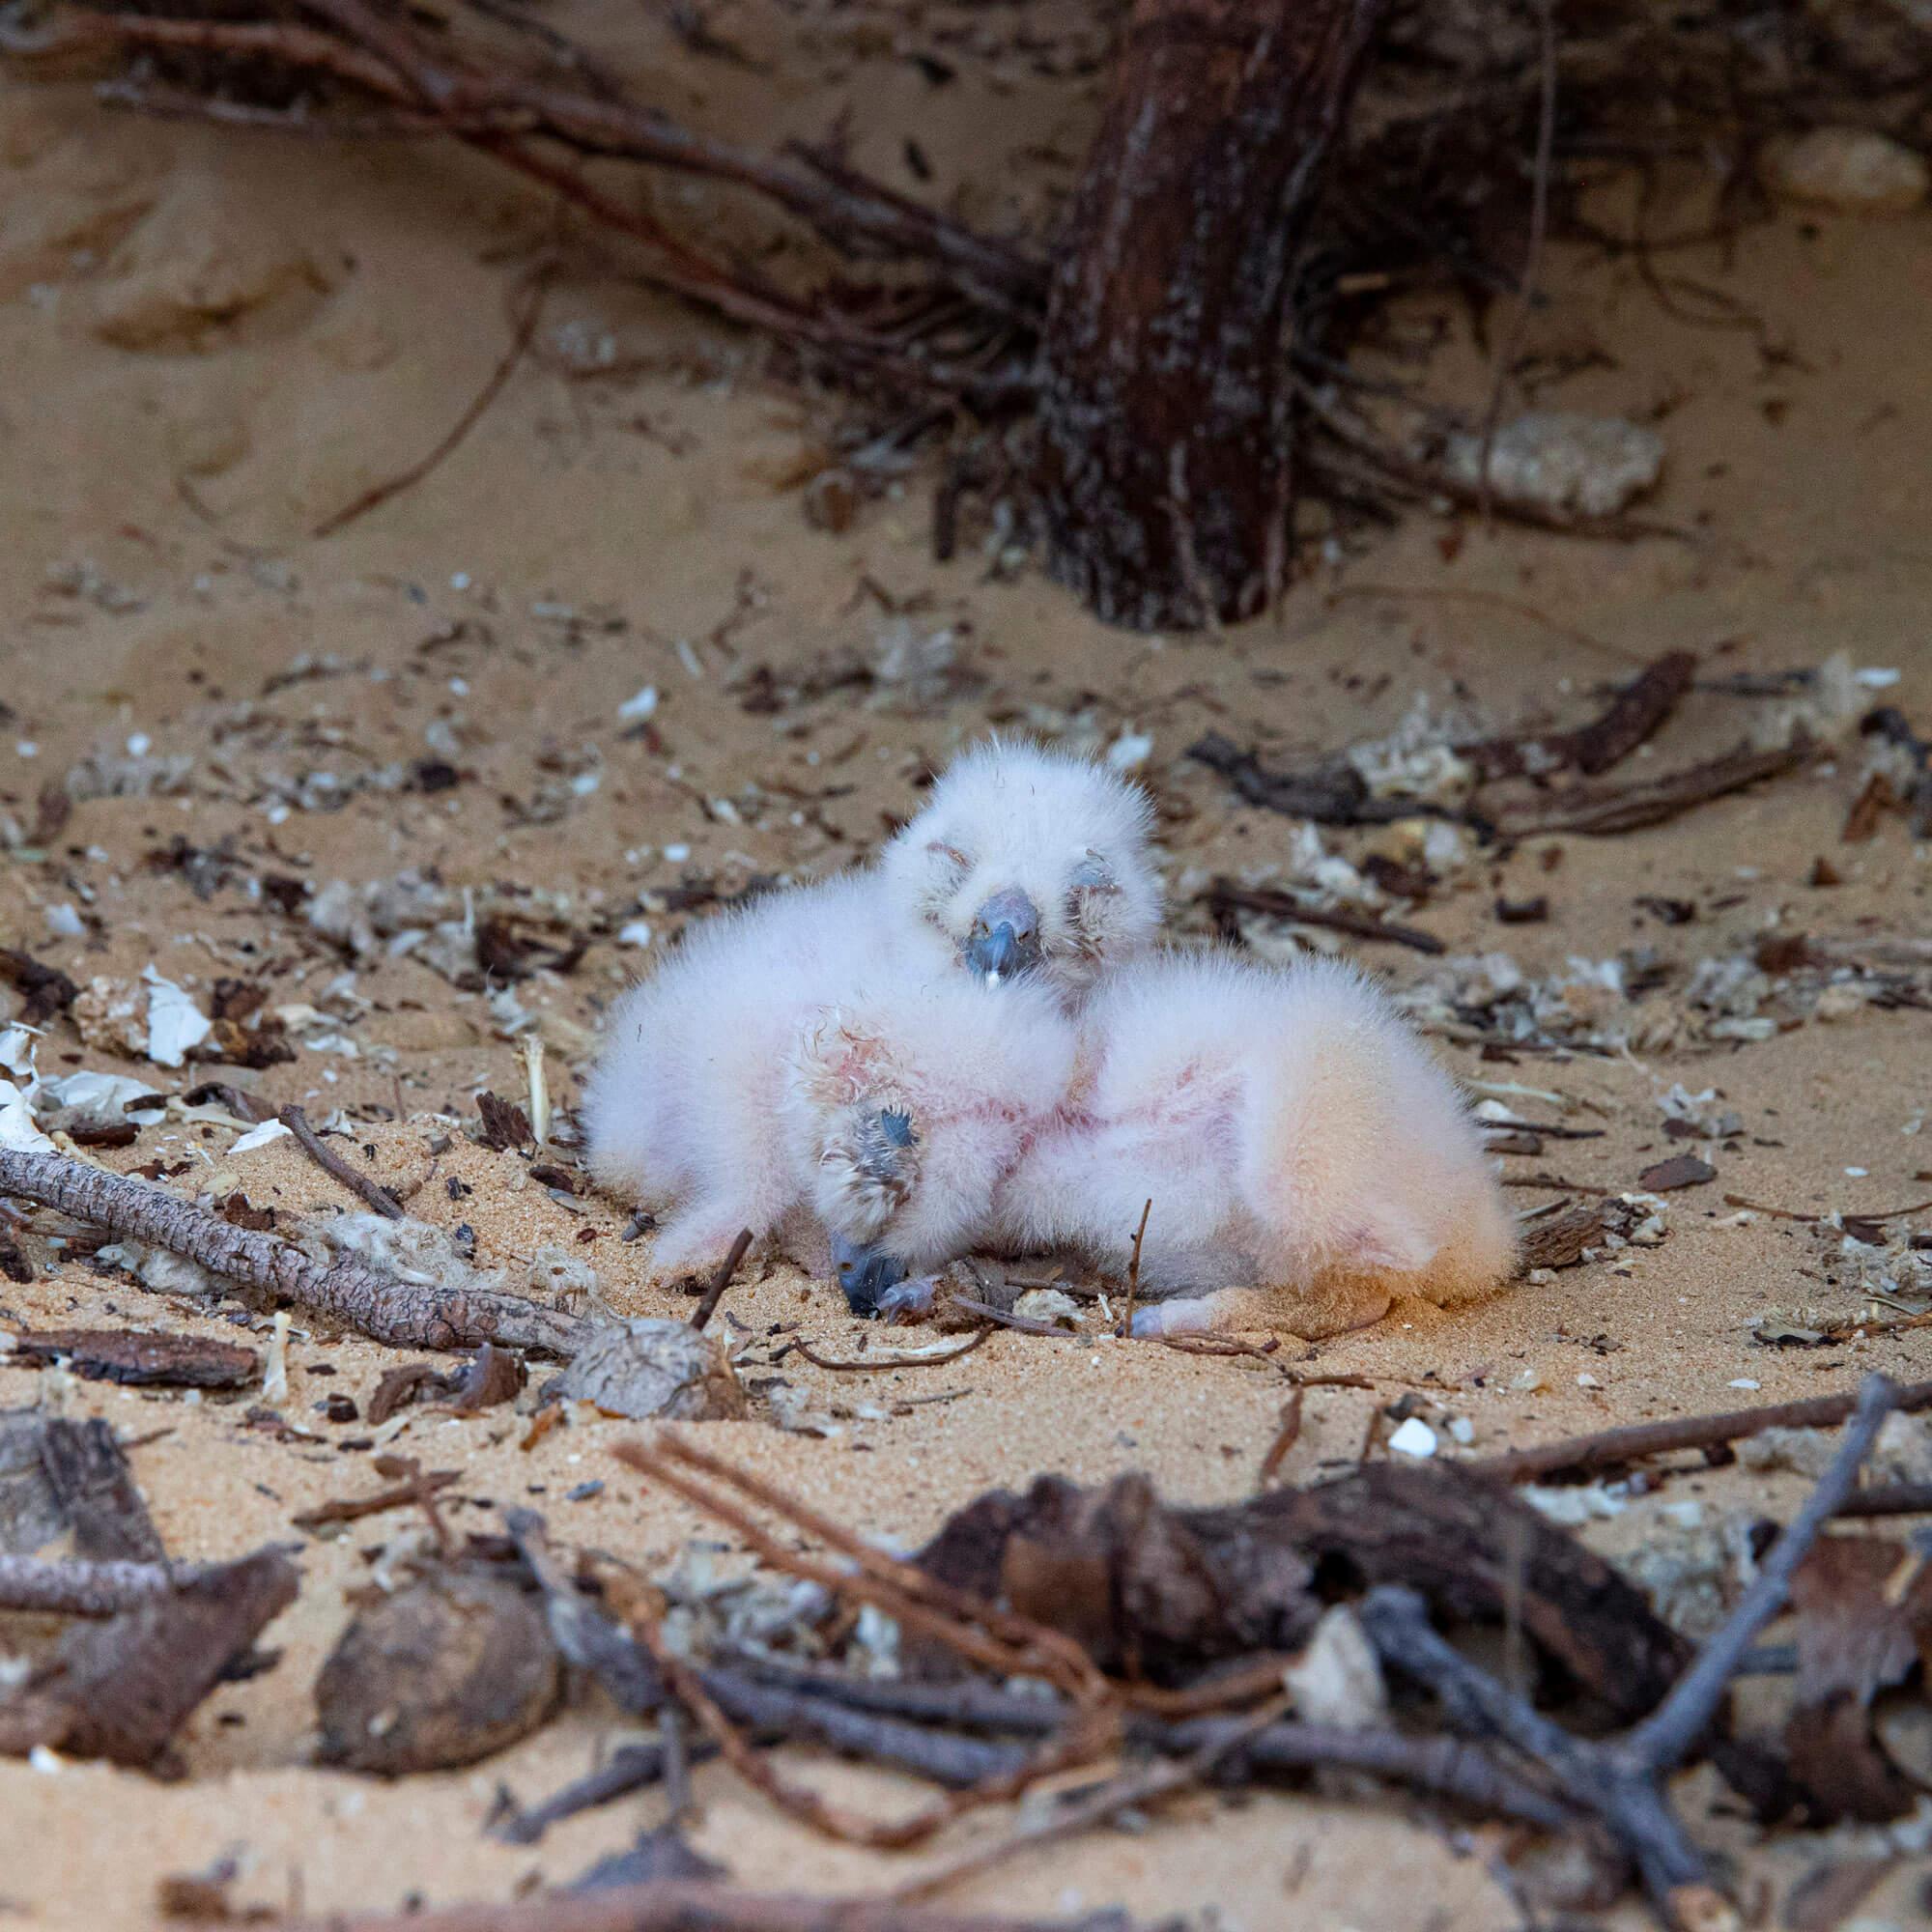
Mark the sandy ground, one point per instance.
(214, 340)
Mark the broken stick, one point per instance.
(405, 1314)
(332, 1163)
(1685, 1431)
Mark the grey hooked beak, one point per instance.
(1005, 939)
(865, 1274)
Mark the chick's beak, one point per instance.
(1005, 939)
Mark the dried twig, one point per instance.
(1278, 904)
(420, 1487)
(1134, 1268)
(363, 1186)
(874, 1363)
(1002, 1318)
(405, 1314)
(1631, 807)
(1635, 716)
(526, 311)
(1118, 1794)
(682, 1905)
(722, 1280)
(70, 1586)
(1285, 1438)
(1610, 1446)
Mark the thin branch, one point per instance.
(683, 1905)
(405, 1314)
(332, 1163)
(71, 1587)
(1610, 1446)
(1134, 1268)
(527, 312)
(722, 1280)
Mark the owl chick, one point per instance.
(1024, 863)
(1307, 1159)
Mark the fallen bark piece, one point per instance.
(1562, 1240)
(453, 1669)
(1170, 1592)
(405, 1314)
(491, 1376)
(1135, 1583)
(121, 1690)
(1683, 1170)
(650, 1368)
(58, 1476)
(1864, 1608)
(1478, 1554)
(141, 1358)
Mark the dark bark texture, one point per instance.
(1165, 450)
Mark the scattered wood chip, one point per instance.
(415, 1486)
(1864, 1607)
(60, 1475)
(491, 1376)
(1683, 1170)
(141, 1358)
(452, 1669)
(1560, 1240)
(505, 1125)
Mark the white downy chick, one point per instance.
(1024, 862)
(1307, 1159)
(1027, 860)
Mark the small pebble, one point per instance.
(1414, 1439)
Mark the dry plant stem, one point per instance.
(1443, 1766)
(71, 1587)
(402, 1314)
(1621, 1780)
(1285, 1438)
(981, 1774)
(722, 1280)
(1118, 1794)
(1686, 1431)
(1134, 1268)
(1282, 906)
(682, 1905)
(361, 1185)
(528, 311)
(874, 1363)
(1000, 1318)
(1631, 807)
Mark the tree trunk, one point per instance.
(1165, 450)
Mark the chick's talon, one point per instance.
(911, 1300)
